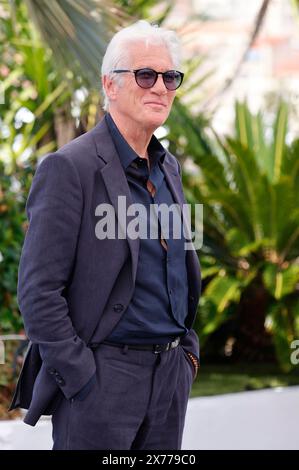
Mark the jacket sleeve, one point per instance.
(54, 208)
(190, 343)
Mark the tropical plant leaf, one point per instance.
(77, 32)
(222, 290)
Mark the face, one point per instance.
(145, 108)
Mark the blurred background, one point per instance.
(234, 128)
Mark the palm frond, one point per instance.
(77, 32)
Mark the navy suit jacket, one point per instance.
(71, 283)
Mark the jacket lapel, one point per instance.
(116, 184)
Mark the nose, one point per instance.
(159, 87)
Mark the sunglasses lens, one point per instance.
(146, 78)
(172, 80)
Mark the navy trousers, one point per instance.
(138, 401)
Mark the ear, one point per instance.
(110, 86)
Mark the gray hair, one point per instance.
(116, 54)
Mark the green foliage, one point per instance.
(13, 190)
(82, 28)
(222, 379)
(249, 187)
(143, 9)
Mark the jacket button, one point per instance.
(118, 308)
(51, 370)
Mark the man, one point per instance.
(113, 354)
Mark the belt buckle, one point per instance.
(158, 348)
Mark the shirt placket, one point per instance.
(152, 190)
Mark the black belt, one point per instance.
(155, 348)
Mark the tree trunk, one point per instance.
(252, 342)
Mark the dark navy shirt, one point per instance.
(158, 308)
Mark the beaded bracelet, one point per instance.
(195, 363)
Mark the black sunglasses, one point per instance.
(146, 78)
